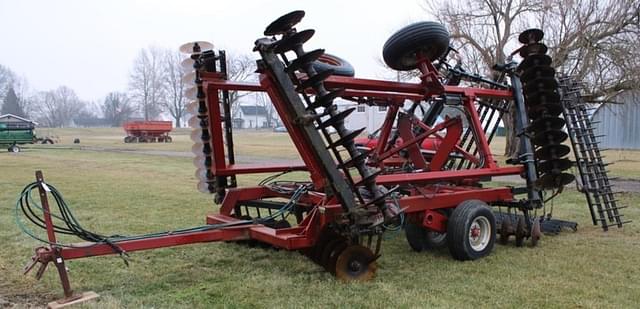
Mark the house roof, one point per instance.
(252, 110)
(9, 116)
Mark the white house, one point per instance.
(250, 117)
(367, 116)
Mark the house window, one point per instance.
(360, 108)
(382, 108)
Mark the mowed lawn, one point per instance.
(130, 193)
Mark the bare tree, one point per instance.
(174, 87)
(595, 41)
(146, 82)
(590, 39)
(57, 108)
(117, 108)
(239, 68)
(7, 78)
(263, 100)
(482, 29)
(20, 86)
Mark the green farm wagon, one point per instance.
(15, 130)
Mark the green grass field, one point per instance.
(130, 193)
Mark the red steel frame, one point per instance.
(425, 197)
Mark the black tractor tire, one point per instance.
(339, 66)
(421, 239)
(14, 148)
(430, 38)
(471, 214)
(47, 141)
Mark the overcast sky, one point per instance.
(90, 45)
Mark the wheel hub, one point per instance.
(479, 233)
(355, 266)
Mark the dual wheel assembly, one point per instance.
(471, 226)
(470, 232)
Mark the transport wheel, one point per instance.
(47, 141)
(168, 139)
(14, 149)
(430, 38)
(422, 239)
(356, 263)
(471, 230)
(338, 65)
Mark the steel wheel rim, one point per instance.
(437, 237)
(479, 233)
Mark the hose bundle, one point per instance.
(66, 223)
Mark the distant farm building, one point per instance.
(619, 124)
(251, 117)
(10, 121)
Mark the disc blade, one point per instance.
(197, 148)
(542, 110)
(189, 78)
(356, 263)
(187, 64)
(555, 166)
(540, 84)
(195, 47)
(191, 93)
(547, 123)
(192, 107)
(195, 122)
(284, 23)
(551, 152)
(549, 137)
(554, 181)
(533, 60)
(196, 135)
(538, 71)
(531, 36)
(533, 49)
(204, 174)
(542, 97)
(198, 161)
(205, 187)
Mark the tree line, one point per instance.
(155, 87)
(592, 40)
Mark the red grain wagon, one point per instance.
(147, 131)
